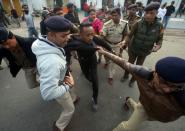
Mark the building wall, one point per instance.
(50, 3)
(37, 4)
(76, 2)
(121, 2)
(96, 3)
(177, 3)
(99, 4)
(7, 5)
(143, 1)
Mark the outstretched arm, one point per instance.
(140, 71)
(116, 59)
(101, 42)
(73, 46)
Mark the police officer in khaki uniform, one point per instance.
(114, 31)
(161, 90)
(132, 17)
(146, 35)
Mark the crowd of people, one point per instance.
(162, 91)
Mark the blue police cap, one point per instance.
(132, 6)
(3, 34)
(152, 6)
(116, 10)
(57, 24)
(171, 69)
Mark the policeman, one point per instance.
(162, 91)
(132, 17)
(146, 35)
(51, 65)
(18, 52)
(114, 31)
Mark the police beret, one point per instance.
(57, 24)
(3, 34)
(171, 69)
(116, 10)
(132, 6)
(152, 6)
(70, 5)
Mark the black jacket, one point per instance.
(170, 10)
(25, 44)
(43, 29)
(73, 18)
(85, 51)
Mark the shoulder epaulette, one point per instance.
(108, 22)
(125, 21)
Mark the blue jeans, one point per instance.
(165, 21)
(32, 32)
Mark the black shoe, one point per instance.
(124, 78)
(99, 61)
(131, 83)
(110, 81)
(105, 66)
(77, 100)
(55, 128)
(94, 106)
(125, 105)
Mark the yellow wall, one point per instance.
(17, 6)
(16, 3)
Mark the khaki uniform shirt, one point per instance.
(131, 20)
(114, 33)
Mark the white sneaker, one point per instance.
(94, 106)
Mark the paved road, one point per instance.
(22, 109)
(176, 23)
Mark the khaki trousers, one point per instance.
(73, 94)
(111, 65)
(138, 116)
(68, 109)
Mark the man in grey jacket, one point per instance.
(51, 65)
